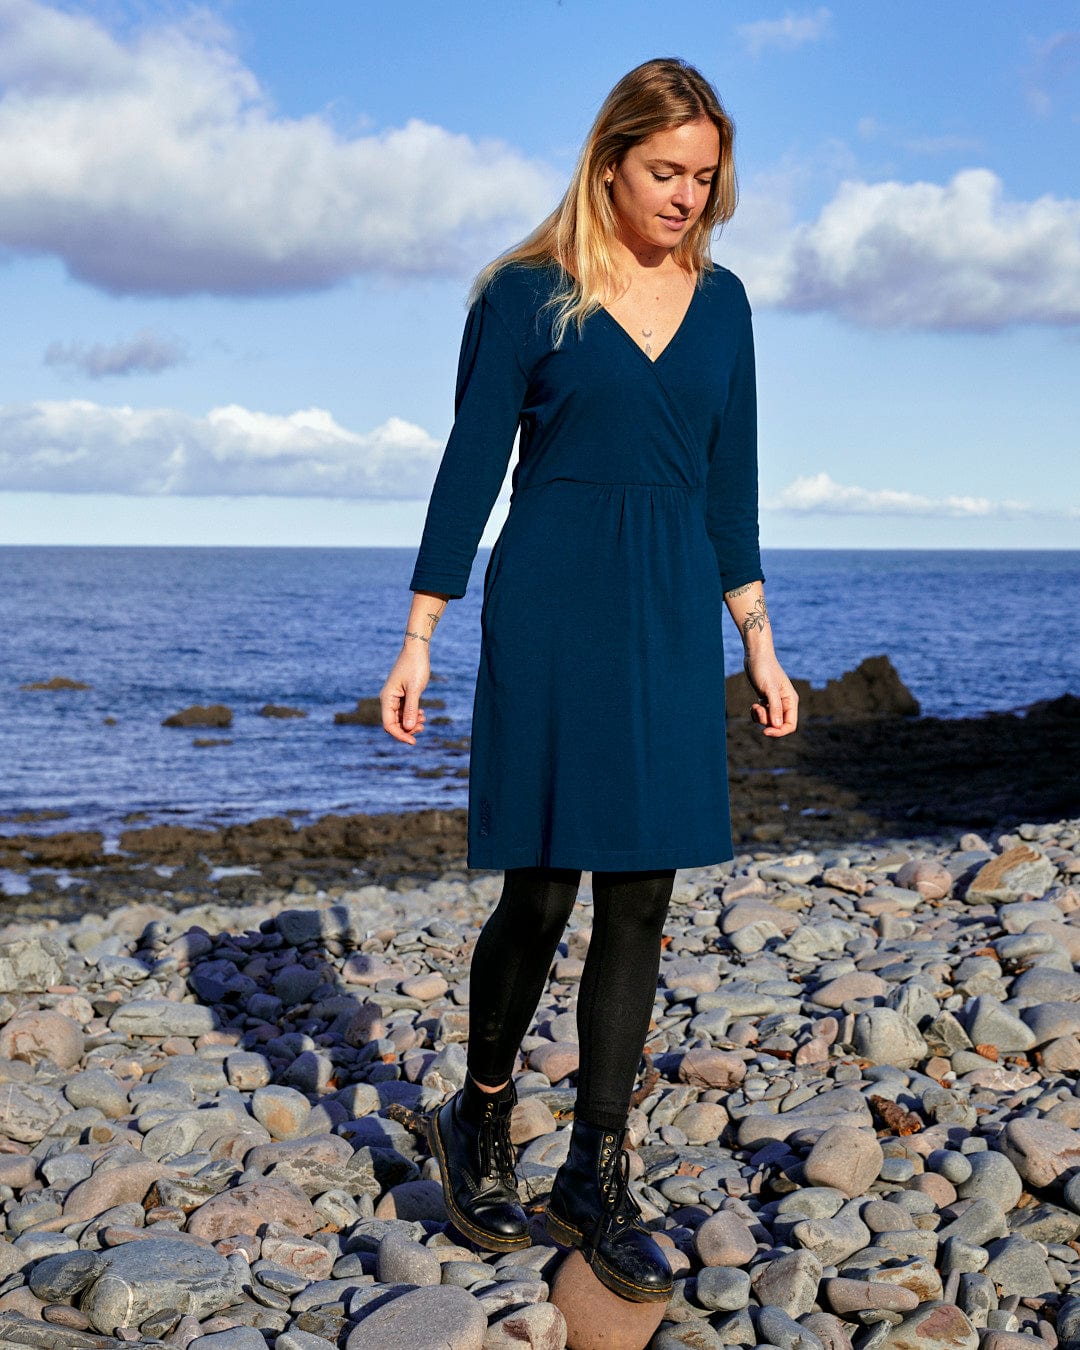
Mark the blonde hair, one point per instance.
(656, 96)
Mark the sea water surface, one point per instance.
(154, 630)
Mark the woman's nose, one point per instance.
(685, 196)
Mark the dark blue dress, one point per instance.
(598, 733)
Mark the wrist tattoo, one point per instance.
(741, 590)
(432, 620)
(758, 618)
(417, 635)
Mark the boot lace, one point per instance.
(618, 1207)
(496, 1150)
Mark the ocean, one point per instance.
(154, 630)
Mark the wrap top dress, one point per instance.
(598, 725)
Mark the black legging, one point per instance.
(510, 966)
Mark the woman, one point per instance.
(625, 357)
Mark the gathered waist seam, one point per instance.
(600, 482)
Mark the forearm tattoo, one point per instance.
(413, 633)
(757, 618)
(741, 590)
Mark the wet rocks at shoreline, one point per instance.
(859, 1124)
(859, 768)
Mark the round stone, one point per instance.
(724, 1239)
(142, 1277)
(846, 1158)
(423, 1319)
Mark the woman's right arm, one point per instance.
(400, 697)
(489, 392)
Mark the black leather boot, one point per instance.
(470, 1137)
(592, 1207)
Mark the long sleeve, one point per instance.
(731, 511)
(490, 390)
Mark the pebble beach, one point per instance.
(857, 1124)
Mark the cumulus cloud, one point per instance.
(158, 165)
(80, 446)
(918, 255)
(145, 353)
(786, 33)
(820, 494)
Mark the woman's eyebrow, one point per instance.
(670, 163)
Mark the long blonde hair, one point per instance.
(656, 96)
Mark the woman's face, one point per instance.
(663, 183)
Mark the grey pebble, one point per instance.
(789, 1282)
(953, 1166)
(696, 1335)
(988, 1021)
(424, 1319)
(301, 1340)
(1018, 1266)
(236, 1338)
(464, 1273)
(993, 1177)
(58, 1279)
(723, 1289)
(982, 1220)
(776, 1327)
(160, 1017)
(141, 1277)
(736, 1328)
(402, 1261)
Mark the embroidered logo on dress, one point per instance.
(485, 816)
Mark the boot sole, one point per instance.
(566, 1235)
(492, 1242)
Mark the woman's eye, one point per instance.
(661, 177)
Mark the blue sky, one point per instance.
(235, 241)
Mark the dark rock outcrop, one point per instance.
(872, 689)
(368, 712)
(57, 682)
(209, 715)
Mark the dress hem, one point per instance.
(588, 860)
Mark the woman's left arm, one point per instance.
(731, 520)
(777, 706)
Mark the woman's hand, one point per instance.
(402, 715)
(777, 707)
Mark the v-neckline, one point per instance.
(653, 360)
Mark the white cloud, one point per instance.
(1053, 63)
(819, 493)
(791, 31)
(158, 166)
(80, 446)
(145, 353)
(916, 255)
